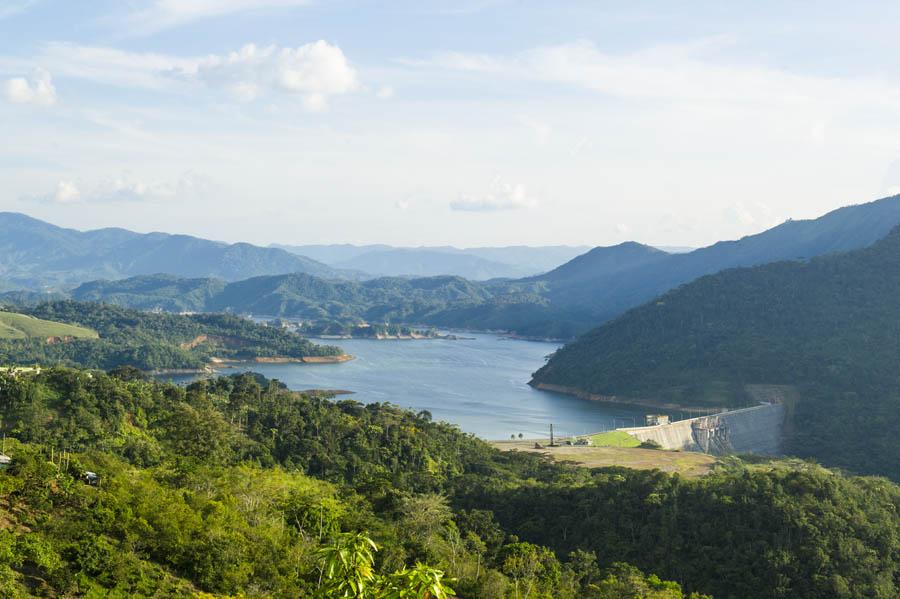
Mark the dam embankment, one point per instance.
(750, 430)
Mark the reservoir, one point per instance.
(479, 384)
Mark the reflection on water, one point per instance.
(478, 384)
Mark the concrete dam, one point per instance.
(750, 430)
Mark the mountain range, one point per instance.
(566, 301)
(35, 254)
(477, 264)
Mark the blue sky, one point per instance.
(430, 123)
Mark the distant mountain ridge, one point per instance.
(607, 290)
(429, 263)
(35, 254)
(564, 302)
(478, 263)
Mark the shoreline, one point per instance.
(390, 337)
(612, 399)
(339, 359)
(165, 371)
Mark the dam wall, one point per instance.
(750, 430)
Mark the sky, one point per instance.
(466, 122)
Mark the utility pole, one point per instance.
(552, 444)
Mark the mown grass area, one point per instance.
(685, 463)
(613, 439)
(20, 326)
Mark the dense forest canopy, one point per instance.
(827, 326)
(152, 341)
(237, 485)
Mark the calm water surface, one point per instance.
(478, 384)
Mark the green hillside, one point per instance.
(22, 326)
(238, 487)
(146, 340)
(830, 326)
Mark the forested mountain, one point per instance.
(296, 295)
(566, 301)
(35, 254)
(607, 283)
(239, 487)
(829, 325)
(437, 301)
(147, 341)
(601, 284)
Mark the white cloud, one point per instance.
(675, 72)
(164, 14)
(66, 193)
(126, 188)
(111, 66)
(37, 89)
(502, 196)
(755, 213)
(385, 92)
(314, 72)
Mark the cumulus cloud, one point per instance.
(66, 193)
(314, 72)
(127, 188)
(37, 89)
(502, 196)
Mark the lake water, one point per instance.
(478, 384)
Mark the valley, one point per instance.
(467, 299)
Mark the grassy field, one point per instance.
(686, 463)
(614, 439)
(19, 326)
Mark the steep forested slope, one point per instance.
(830, 324)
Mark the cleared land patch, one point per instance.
(686, 463)
(20, 326)
(613, 439)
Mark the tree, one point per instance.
(348, 571)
